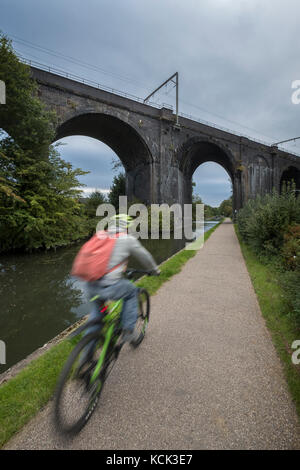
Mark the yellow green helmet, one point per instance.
(122, 221)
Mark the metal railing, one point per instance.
(86, 81)
(99, 86)
(238, 134)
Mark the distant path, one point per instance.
(206, 377)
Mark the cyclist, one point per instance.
(113, 285)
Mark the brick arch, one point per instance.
(289, 173)
(120, 136)
(124, 140)
(198, 150)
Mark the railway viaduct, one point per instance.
(159, 156)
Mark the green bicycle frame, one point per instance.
(111, 320)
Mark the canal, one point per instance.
(39, 299)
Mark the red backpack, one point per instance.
(93, 257)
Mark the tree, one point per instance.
(39, 204)
(118, 188)
(226, 207)
(116, 163)
(92, 202)
(23, 116)
(210, 212)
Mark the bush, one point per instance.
(291, 248)
(264, 220)
(290, 281)
(271, 226)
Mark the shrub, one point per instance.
(270, 224)
(291, 248)
(264, 220)
(290, 281)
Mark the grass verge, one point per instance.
(24, 395)
(274, 308)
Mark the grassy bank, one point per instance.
(24, 395)
(274, 307)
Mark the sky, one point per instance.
(237, 60)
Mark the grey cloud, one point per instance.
(236, 59)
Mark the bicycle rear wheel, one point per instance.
(143, 316)
(77, 395)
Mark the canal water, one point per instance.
(39, 299)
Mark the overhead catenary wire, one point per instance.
(51, 66)
(71, 76)
(76, 61)
(218, 115)
(96, 68)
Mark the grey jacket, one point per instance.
(126, 245)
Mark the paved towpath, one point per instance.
(206, 377)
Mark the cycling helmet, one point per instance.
(121, 221)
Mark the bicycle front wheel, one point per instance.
(143, 316)
(78, 392)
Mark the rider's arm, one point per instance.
(142, 255)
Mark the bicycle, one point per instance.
(80, 384)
